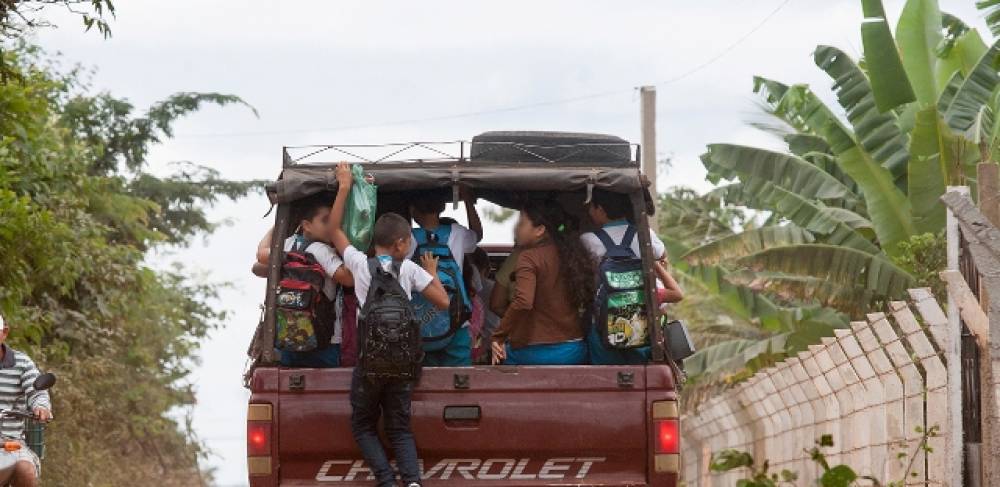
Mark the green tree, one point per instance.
(78, 216)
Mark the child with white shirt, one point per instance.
(612, 212)
(450, 241)
(312, 237)
(389, 398)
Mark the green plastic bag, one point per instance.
(359, 216)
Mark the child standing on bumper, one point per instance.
(389, 399)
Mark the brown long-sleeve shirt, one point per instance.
(541, 311)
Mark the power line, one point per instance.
(421, 120)
(728, 49)
(528, 106)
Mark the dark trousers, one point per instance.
(389, 400)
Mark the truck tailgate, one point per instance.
(482, 425)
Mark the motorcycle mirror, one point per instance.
(44, 381)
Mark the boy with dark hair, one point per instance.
(612, 212)
(312, 237)
(388, 398)
(450, 241)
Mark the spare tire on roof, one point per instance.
(553, 147)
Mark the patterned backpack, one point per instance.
(620, 303)
(305, 315)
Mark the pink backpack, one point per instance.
(479, 345)
(349, 330)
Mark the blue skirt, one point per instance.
(602, 355)
(565, 353)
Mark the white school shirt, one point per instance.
(616, 230)
(461, 241)
(411, 276)
(327, 257)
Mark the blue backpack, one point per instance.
(438, 326)
(619, 314)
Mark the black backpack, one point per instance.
(390, 347)
(620, 301)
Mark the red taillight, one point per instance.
(667, 436)
(258, 438)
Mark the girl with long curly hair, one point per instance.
(553, 285)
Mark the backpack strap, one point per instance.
(620, 250)
(437, 238)
(628, 237)
(301, 243)
(379, 282)
(604, 238)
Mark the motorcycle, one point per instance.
(11, 446)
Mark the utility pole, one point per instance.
(648, 119)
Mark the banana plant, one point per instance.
(857, 182)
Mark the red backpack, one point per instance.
(305, 315)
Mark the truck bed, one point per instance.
(489, 426)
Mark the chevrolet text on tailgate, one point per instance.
(609, 425)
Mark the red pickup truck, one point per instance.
(481, 425)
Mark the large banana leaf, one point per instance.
(878, 132)
(801, 108)
(746, 243)
(838, 265)
(918, 33)
(802, 144)
(887, 71)
(936, 152)
(975, 92)
(949, 91)
(688, 219)
(810, 215)
(887, 206)
(773, 94)
(827, 162)
(706, 334)
(888, 209)
(856, 221)
(730, 356)
(930, 158)
(739, 300)
(736, 356)
(991, 10)
(959, 52)
(853, 300)
(784, 170)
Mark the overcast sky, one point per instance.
(307, 66)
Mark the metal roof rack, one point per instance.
(458, 151)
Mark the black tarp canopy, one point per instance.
(492, 181)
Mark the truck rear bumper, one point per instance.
(519, 427)
(482, 483)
